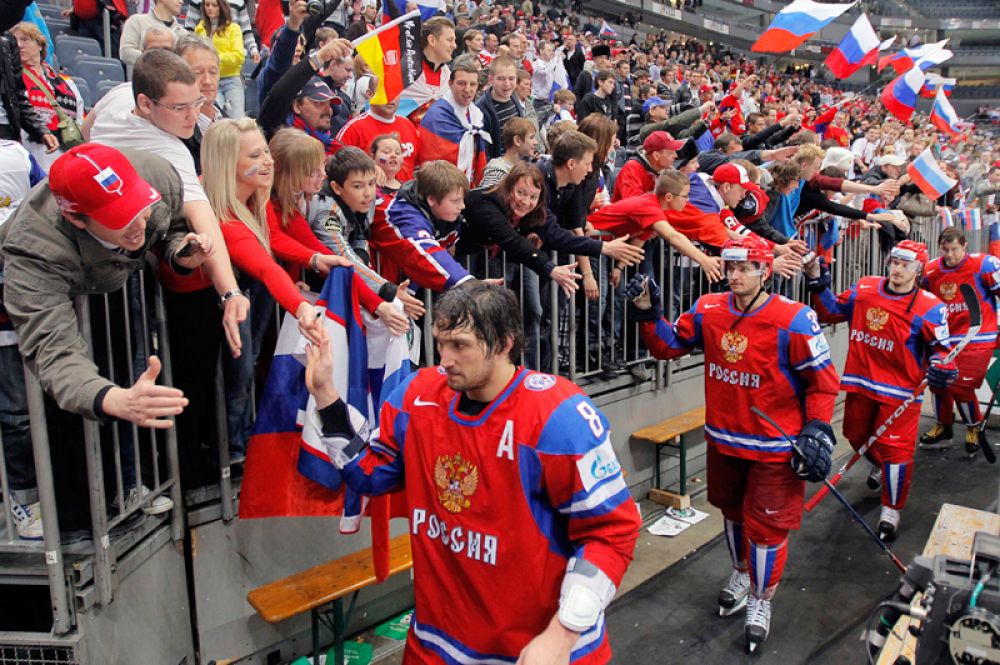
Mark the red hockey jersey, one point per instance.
(981, 271)
(775, 358)
(892, 337)
(499, 502)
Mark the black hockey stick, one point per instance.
(840, 497)
(988, 452)
(975, 321)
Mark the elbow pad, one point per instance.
(586, 591)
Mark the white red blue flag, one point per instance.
(927, 174)
(900, 96)
(858, 48)
(796, 23)
(943, 115)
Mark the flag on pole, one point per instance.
(428, 9)
(392, 51)
(858, 48)
(900, 96)
(935, 82)
(904, 60)
(887, 43)
(943, 115)
(796, 23)
(927, 174)
(972, 219)
(947, 218)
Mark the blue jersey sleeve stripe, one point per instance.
(450, 650)
(549, 523)
(589, 641)
(596, 496)
(603, 508)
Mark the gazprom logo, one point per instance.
(391, 58)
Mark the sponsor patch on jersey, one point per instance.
(941, 332)
(818, 345)
(539, 381)
(598, 464)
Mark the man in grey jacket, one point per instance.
(85, 231)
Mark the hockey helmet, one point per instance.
(748, 248)
(912, 252)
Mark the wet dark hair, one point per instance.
(491, 312)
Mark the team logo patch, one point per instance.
(539, 381)
(876, 318)
(734, 345)
(391, 58)
(457, 479)
(948, 290)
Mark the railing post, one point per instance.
(173, 460)
(106, 28)
(554, 324)
(47, 500)
(95, 479)
(222, 439)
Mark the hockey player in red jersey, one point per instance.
(943, 277)
(766, 351)
(520, 520)
(898, 333)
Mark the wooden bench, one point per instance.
(670, 433)
(327, 584)
(952, 535)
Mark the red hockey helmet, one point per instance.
(911, 251)
(747, 248)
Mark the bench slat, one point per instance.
(667, 430)
(319, 585)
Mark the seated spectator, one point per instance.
(453, 129)
(239, 14)
(164, 12)
(520, 141)
(227, 37)
(383, 119)
(420, 226)
(302, 99)
(498, 103)
(16, 113)
(54, 98)
(201, 56)
(74, 234)
(563, 102)
(639, 218)
(347, 228)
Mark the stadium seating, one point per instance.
(102, 89)
(84, 88)
(50, 11)
(974, 9)
(97, 69)
(57, 26)
(69, 49)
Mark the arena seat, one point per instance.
(69, 48)
(96, 69)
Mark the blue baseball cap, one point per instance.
(651, 103)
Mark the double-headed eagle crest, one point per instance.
(457, 479)
(734, 345)
(948, 290)
(876, 318)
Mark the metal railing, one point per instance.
(592, 342)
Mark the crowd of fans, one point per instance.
(533, 150)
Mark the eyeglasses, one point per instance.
(182, 108)
(681, 196)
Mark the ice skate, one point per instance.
(972, 439)
(875, 479)
(733, 596)
(937, 437)
(888, 522)
(758, 623)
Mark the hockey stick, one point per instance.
(984, 443)
(975, 321)
(840, 497)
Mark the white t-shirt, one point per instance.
(118, 127)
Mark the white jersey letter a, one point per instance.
(506, 447)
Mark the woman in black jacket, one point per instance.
(512, 217)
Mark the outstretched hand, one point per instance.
(146, 404)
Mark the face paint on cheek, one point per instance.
(252, 171)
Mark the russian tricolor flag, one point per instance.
(947, 219)
(993, 224)
(935, 82)
(927, 174)
(607, 30)
(900, 96)
(928, 55)
(972, 219)
(943, 115)
(858, 48)
(796, 23)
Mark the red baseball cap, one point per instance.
(98, 181)
(661, 140)
(736, 174)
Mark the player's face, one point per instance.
(449, 208)
(952, 252)
(255, 168)
(358, 190)
(464, 359)
(745, 277)
(902, 275)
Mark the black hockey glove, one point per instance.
(941, 375)
(643, 296)
(813, 451)
(822, 281)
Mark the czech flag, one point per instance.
(943, 114)
(900, 96)
(858, 48)
(392, 51)
(796, 23)
(927, 174)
